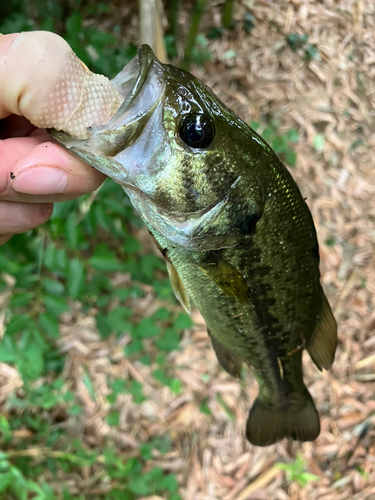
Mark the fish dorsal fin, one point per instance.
(227, 278)
(322, 345)
(178, 287)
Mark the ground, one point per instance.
(323, 88)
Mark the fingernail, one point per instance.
(40, 180)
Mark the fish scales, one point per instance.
(237, 235)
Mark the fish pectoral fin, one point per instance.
(230, 364)
(178, 287)
(297, 419)
(227, 278)
(323, 342)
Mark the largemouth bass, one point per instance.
(237, 235)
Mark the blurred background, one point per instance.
(108, 389)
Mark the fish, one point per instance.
(236, 233)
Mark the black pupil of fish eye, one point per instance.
(196, 131)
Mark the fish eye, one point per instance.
(197, 131)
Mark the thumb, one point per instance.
(43, 80)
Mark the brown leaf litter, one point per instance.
(264, 80)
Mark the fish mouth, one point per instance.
(141, 84)
(130, 81)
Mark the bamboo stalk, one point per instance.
(196, 15)
(151, 14)
(227, 19)
(173, 13)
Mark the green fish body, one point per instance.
(237, 235)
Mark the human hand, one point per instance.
(44, 85)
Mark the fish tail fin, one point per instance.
(296, 418)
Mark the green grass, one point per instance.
(295, 472)
(49, 269)
(73, 258)
(281, 143)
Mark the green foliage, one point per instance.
(215, 32)
(296, 472)
(73, 259)
(102, 51)
(223, 404)
(299, 43)
(127, 477)
(280, 143)
(318, 142)
(201, 52)
(248, 22)
(330, 242)
(204, 408)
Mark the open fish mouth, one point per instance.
(141, 84)
(130, 81)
